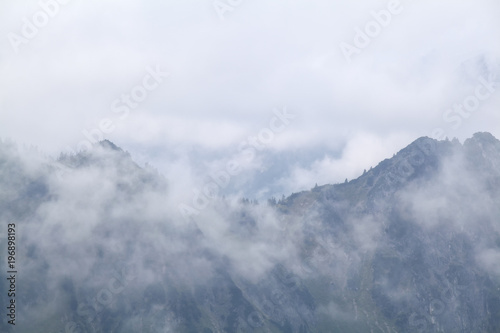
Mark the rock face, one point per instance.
(412, 245)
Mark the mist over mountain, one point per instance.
(412, 245)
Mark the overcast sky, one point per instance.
(362, 78)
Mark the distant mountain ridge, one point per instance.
(412, 245)
(420, 159)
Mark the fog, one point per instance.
(99, 234)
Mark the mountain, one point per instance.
(412, 245)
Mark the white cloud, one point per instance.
(228, 75)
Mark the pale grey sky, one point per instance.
(66, 70)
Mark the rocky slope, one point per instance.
(412, 245)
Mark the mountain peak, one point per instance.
(101, 152)
(421, 159)
(483, 138)
(109, 145)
